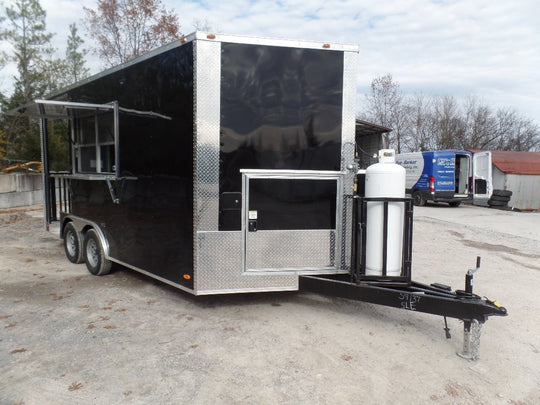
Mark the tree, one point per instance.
(480, 125)
(3, 145)
(449, 129)
(125, 29)
(30, 43)
(75, 56)
(421, 123)
(385, 107)
(520, 133)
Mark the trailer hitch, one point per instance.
(436, 299)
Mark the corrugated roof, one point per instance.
(515, 162)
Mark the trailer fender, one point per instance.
(82, 226)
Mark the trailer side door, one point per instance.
(290, 221)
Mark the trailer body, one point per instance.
(218, 163)
(439, 176)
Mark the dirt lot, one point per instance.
(67, 337)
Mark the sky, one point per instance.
(484, 48)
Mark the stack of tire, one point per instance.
(499, 199)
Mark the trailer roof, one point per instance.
(31, 109)
(515, 162)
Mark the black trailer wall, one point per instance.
(152, 227)
(281, 108)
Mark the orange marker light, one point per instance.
(187, 277)
(326, 46)
(211, 36)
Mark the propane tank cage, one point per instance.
(359, 241)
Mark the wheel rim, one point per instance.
(92, 253)
(71, 243)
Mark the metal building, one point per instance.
(516, 171)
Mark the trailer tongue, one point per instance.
(433, 299)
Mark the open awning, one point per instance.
(54, 109)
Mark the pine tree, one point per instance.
(30, 43)
(75, 56)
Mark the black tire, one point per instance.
(493, 203)
(502, 193)
(94, 255)
(72, 244)
(499, 198)
(418, 199)
(454, 203)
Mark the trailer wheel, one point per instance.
(94, 255)
(72, 244)
(454, 203)
(418, 199)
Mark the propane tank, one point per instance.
(385, 179)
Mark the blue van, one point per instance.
(439, 176)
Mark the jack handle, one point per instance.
(469, 276)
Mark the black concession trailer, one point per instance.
(227, 164)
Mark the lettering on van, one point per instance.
(446, 162)
(409, 301)
(409, 164)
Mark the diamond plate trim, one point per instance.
(207, 76)
(350, 62)
(220, 267)
(290, 250)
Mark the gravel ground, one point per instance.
(67, 337)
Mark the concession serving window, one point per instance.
(94, 132)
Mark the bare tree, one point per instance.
(202, 25)
(385, 107)
(422, 125)
(125, 29)
(480, 125)
(449, 130)
(520, 132)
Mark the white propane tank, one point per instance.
(385, 179)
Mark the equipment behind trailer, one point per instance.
(224, 164)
